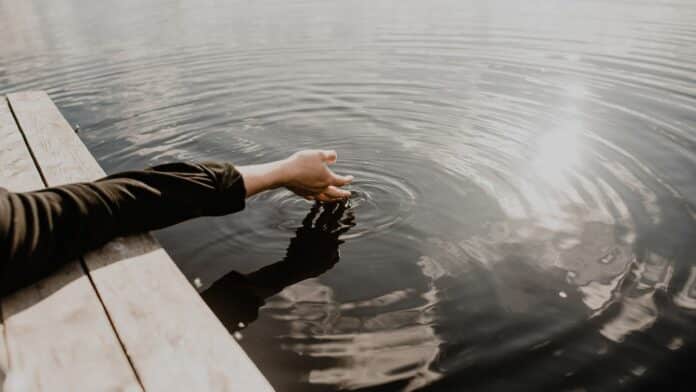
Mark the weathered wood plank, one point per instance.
(59, 338)
(17, 170)
(173, 339)
(57, 333)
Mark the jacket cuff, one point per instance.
(231, 191)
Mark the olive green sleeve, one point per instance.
(41, 230)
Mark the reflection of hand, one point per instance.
(315, 246)
(236, 298)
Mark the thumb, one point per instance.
(329, 156)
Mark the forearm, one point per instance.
(258, 178)
(41, 230)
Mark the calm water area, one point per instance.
(524, 209)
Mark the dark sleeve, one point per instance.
(41, 230)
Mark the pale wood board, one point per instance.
(173, 339)
(17, 170)
(57, 334)
(59, 338)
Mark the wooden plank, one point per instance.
(57, 333)
(17, 170)
(174, 340)
(60, 339)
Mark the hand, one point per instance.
(307, 175)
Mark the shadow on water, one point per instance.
(236, 298)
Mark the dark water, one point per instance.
(524, 211)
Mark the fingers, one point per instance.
(330, 193)
(324, 198)
(329, 156)
(338, 180)
(335, 193)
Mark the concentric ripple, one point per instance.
(523, 211)
(377, 200)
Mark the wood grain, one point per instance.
(58, 337)
(17, 170)
(174, 340)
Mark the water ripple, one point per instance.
(524, 194)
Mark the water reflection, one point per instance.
(236, 298)
(368, 343)
(393, 346)
(525, 175)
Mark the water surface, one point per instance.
(524, 213)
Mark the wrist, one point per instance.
(259, 178)
(283, 173)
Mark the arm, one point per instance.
(39, 231)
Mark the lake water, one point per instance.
(524, 214)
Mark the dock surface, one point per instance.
(121, 318)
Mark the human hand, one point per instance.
(307, 174)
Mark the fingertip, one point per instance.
(342, 180)
(342, 195)
(334, 193)
(330, 156)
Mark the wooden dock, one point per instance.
(122, 318)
